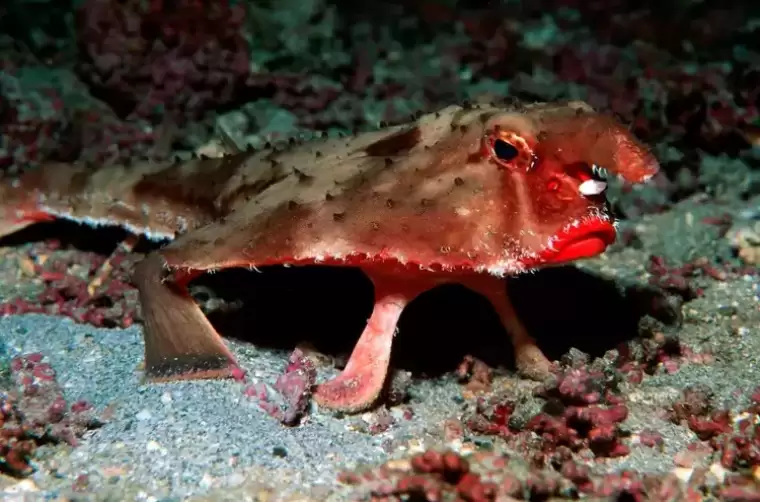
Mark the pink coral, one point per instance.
(44, 409)
(432, 475)
(37, 413)
(583, 412)
(112, 303)
(289, 399)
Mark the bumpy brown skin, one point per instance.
(414, 206)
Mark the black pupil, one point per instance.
(504, 151)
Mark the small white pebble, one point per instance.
(166, 397)
(719, 472)
(400, 465)
(234, 480)
(152, 446)
(206, 481)
(398, 413)
(24, 486)
(144, 415)
(683, 473)
(416, 445)
(456, 445)
(142, 496)
(741, 416)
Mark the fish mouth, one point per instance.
(590, 238)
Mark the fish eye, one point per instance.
(505, 151)
(508, 149)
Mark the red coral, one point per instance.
(711, 426)
(594, 427)
(483, 476)
(580, 386)
(677, 279)
(658, 350)
(694, 401)
(42, 404)
(475, 373)
(114, 303)
(290, 397)
(182, 57)
(582, 413)
(431, 475)
(651, 439)
(37, 415)
(492, 419)
(741, 450)
(17, 444)
(616, 485)
(738, 449)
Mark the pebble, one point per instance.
(745, 237)
(206, 481)
(144, 415)
(23, 486)
(683, 473)
(719, 472)
(235, 479)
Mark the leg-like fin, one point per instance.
(180, 343)
(529, 359)
(359, 384)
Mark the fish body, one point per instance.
(467, 194)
